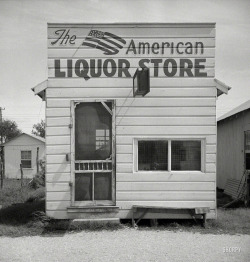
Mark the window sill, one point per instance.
(27, 168)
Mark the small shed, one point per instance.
(233, 147)
(23, 150)
(113, 145)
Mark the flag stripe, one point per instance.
(116, 37)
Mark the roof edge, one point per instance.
(222, 88)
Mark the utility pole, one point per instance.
(1, 149)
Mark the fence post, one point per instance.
(21, 168)
(37, 160)
(1, 173)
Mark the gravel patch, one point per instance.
(126, 245)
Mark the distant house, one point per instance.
(233, 146)
(23, 150)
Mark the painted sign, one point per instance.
(108, 45)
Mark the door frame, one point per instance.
(73, 104)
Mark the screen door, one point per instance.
(94, 153)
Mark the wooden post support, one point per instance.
(37, 160)
(21, 168)
(1, 172)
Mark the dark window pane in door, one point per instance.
(102, 186)
(93, 131)
(83, 187)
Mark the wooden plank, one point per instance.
(164, 186)
(174, 204)
(112, 93)
(142, 101)
(127, 82)
(58, 140)
(207, 42)
(165, 53)
(210, 62)
(57, 214)
(56, 159)
(57, 131)
(53, 112)
(128, 139)
(166, 111)
(124, 149)
(57, 196)
(210, 72)
(58, 168)
(57, 121)
(124, 158)
(162, 195)
(57, 177)
(210, 167)
(141, 32)
(211, 149)
(211, 158)
(57, 187)
(57, 205)
(165, 121)
(165, 177)
(57, 149)
(161, 130)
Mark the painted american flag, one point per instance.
(109, 43)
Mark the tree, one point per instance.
(8, 130)
(39, 129)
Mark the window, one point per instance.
(169, 155)
(26, 159)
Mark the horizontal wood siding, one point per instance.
(176, 107)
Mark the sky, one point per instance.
(23, 43)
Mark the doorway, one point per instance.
(94, 153)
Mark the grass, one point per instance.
(23, 214)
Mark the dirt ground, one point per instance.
(126, 245)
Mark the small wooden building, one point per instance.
(108, 148)
(233, 145)
(23, 150)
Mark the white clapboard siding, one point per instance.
(58, 140)
(210, 62)
(57, 196)
(57, 149)
(57, 177)
(57, 131)
(56, 159)
(161, 130)
(165, 177)
(165, 111)
(57, 121)
(112, 93)
(57, 205)
(165, 195)
(207, 42)
(165, 121)
(175, 108)
(57, 112)
(119, 83)
(149, 101)
(167, 186)
(160, 73)
(57, 187)
(58, 168)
